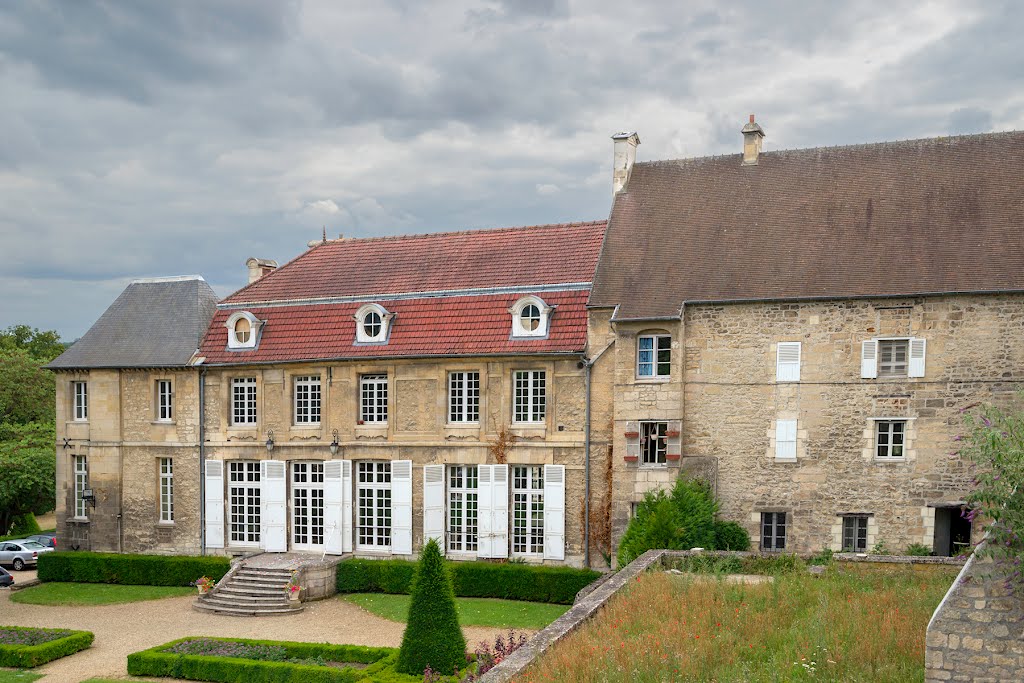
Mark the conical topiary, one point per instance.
(432, 633)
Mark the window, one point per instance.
(892, 358)
(244, 491)
(374, 492)
(530, 395)
(464, 397)
(243, 328)
(527, 509)
(373, 403)
(889, 439)
(164, 400)
(308, 505)
(81, 473)
(785, 439)
(654, 356)
(166, 490)
(773, 531)
(243, 401)
(372, 324)
(855, 534)
(530, 317)
(653, 443)
(463, 484)
(307, 400)
(787, 362)
(80, 411)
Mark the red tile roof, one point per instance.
(506, 257)
(429, 326)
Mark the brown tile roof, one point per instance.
(902, 218)
(506, 257)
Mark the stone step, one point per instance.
(257, 583)
(246, 612)
(243, 594)
(233, 603)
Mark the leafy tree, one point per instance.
(432, 634)
(42, 345)
(28, 464)
(27, 391)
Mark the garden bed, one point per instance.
(24, 648)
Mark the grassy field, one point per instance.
(853, 624)
(472, 611)
(18, 676)
(74, 594)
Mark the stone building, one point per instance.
(802, 328)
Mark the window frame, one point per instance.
(892, 345)
(80, 472)
(462, 500)
(374, 476)
(772, 540)
(529, 398)
(79, 401)
(232, 327)
(164, 407)
(655, 362)
(244, 503)
(307, 400)
(856, 524)
(383, 323)
(373, 398)
(527, 531)
(165, 489)
(660, 450)
(520, 331)
(248, 404)
(464, 399)
(902, 432)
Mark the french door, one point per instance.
(308, 506)
(244, 499)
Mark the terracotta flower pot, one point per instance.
(672, 456)
(632, 435)
(631, 458)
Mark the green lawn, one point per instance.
(472, 611)
(18, 676)
(73, 594)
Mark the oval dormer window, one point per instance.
(530, 316)
(243, 330)
(373, 323)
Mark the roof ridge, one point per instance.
(857, 145)
(166, 278)
(468, 231)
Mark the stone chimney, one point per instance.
(622, 159)
(258, 267)
(752, 136)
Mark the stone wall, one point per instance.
(977, 632)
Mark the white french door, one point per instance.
(308, 506)
(244, 499)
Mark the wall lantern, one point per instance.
(89, 497)
(270, 440)
(334, 444)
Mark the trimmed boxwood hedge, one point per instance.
(28, 656)
(133, 570)
(381, 660)
(509, 581)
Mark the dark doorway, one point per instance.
(952, 531)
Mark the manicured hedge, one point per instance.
(28, 656)
(510, 581)
(135, 570)
(157, 662)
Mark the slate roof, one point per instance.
(156, 322)
(904, 218)
(450, 293)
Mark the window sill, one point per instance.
(308, 426)
(890, 460)
(78, 520)
(653, 465)
(662, 379)
(786, 460)
(165, 423)
(165, 525)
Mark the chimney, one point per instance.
(752, 136)
(622, 160)
(258, 267)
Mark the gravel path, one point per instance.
(123, 629)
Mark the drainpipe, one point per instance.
(587, 364)
(202, 461)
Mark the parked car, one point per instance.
(21, 553)
(6, 580)
(46, 540)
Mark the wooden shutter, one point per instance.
(787, 362)
(273, 536)
(554, 512)
(869, 359)
(433, 504)
(633, 439)
(346, 506)
(674, 443)
(483, 510)
(785, 439)
(499, 511)
(333, 528)
(917, 351)
(401, 507)
(214, 503)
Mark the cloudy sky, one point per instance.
(160, 138)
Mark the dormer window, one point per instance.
(243, 330)
(530, 316)
(373, 324)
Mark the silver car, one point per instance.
(20, 554)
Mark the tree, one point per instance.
(28, 464)
(27, 391)
(432, 634)
(42, 345)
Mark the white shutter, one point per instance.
(433, 504)
(554, 512)
(917, 350)
(273, 538)
(483, 510)
(346, 506)
(214, 503)
(401, 507)
(787, 362)
(674, 444)
(333, 527)
(785, 439)
(499, 511)
(633, 439)
(869, 359)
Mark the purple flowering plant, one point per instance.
(14, 635)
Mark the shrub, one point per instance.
(509, 580)
(918, 550)
(731, 536)
(720, 563)
(432, 638)
(137, 570)
(25, 648)
(680, 520)
(25, 525)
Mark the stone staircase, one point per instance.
(248, 591)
